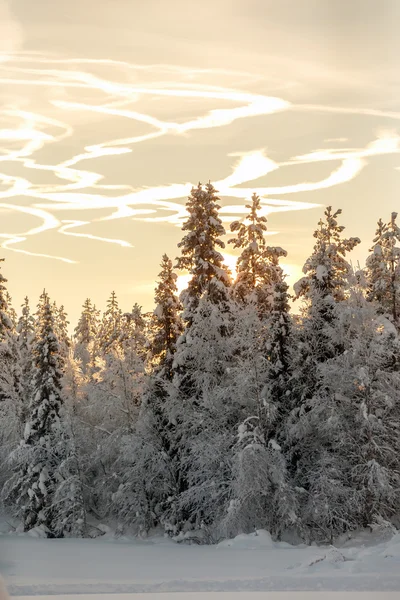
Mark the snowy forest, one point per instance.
(221, 412)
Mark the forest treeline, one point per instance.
(220, 412)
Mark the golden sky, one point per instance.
(111, 110)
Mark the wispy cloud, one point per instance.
(70, 187)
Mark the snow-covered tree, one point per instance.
(110, 326)
(257, 266)
(10, 381)
(324, 285)
(166, 322)
(85, 334)
(9, 372)
(26, 330)
(36, 460)
(199, 254)
(61, 328)
(383, 269)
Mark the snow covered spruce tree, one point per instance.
(350, 432)
(196, 406)
(25, 331)
(260, 373)
(324, 285)
(261, 281)
(383, 269)
(11, 399)
(257, 266)
(85, 334)
(61, 329)
(37, 477)
(323, 288)
(110, 326)
(166, 321)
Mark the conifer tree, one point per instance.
(383, 269)
(167, 324)
(200, 363)
(110, 326)
(10, 381)
(36, 460)
(85, 334)
(9, 371)
(61, 329)
(257, 267)
(326, 277)
(132, 338)
(25, 330)
(199, 255)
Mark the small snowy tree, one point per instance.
(25, 331)
(199, 255)
(10, 381)
(324, 285)
(61, 328)
(85, 334)
(167, 324)
(110, 326)
(383, 269)
(257, 266)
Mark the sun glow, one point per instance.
(69, 187)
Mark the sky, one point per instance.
(111, 111)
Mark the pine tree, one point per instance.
(326, 277)
(167, 324)
(25, 330)
(61, 329)
(198, 248)
(132, 336)
(383, 269)
(257, 267)
(85, 334)
(10, 381)
(200, 357)
(110, 327)
(36, 460)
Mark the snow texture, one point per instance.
(248, 563)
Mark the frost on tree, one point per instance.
(383, 269)
(199, 254)
(25, 331)
(110, 326)
(257, 267)
(34, 482)
(11, 400)
(85, 334)
(323, 287)
(166, 321)
(61, 328)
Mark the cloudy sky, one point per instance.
(111, 110)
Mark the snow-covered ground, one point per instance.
(251, 563)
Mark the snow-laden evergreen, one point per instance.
(199, 254)
(33, 484)
(383, 269)
(85, 334)
(166, 321)
(257, 266)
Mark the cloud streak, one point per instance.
(77, 189)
